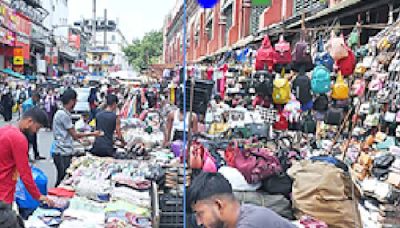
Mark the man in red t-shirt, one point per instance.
(14, 155)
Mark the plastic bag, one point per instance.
(22, 196)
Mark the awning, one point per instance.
(13, 73)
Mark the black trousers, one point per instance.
(32, 138)
(62, 163)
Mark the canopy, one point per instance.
(13, 73)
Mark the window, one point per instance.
(229, 21)
(113, 38)
(256, 12)
(209, 29)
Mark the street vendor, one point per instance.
(175, 125)
(108, 122)
(211, 198)
(65, 134)
(14, 162)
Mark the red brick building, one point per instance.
(235, 23)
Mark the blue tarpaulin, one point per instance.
(13, 73)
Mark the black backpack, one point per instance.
(321, 103)
(264, 87)
(301, 87)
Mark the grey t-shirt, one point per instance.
(63, 139)
(260, 217)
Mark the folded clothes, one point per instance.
(59, 203)
(62, 192)
(41, 212)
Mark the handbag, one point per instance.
(231, 152)
(334, 116)
(196, 151)
(257, 164)
(282, 124)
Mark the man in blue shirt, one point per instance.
(32, 138)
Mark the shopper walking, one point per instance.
(108, 122)
(7, 104)
(50, 106)
(65, 134)
(211, 197)
(14, 155)
(93, 103)
(32, 138)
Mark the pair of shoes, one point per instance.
(40, 158)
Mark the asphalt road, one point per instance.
(45, 139)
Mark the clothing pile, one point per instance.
(103, 192)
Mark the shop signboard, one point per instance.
(51, 52)
(24, 27)
(41, 66)
(74, 41)
(8, 20)
(18, 59)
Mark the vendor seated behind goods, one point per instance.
(175, 125)
(108, 122)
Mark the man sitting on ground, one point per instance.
(211, 198)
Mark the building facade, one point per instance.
(234, 24)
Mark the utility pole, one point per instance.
(106, 28)
(94, 24)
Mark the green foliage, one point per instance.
(142, 53)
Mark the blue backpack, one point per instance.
(322, 57)
(321, 80)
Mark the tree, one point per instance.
(143, 52)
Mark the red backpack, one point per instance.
(283, 52)
(265, 55)
(347, 64)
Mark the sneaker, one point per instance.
(40, 158)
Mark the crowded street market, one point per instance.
(294, 124)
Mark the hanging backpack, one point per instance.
(282, 124)
(322, 57)
(337, 48)
(347, 64)
(302, 56)
(340, 89)
(321, 80)
(301, 88)
(265, 55)
(283, 52)
(281, 92)
(321, 103)
(265, 84)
